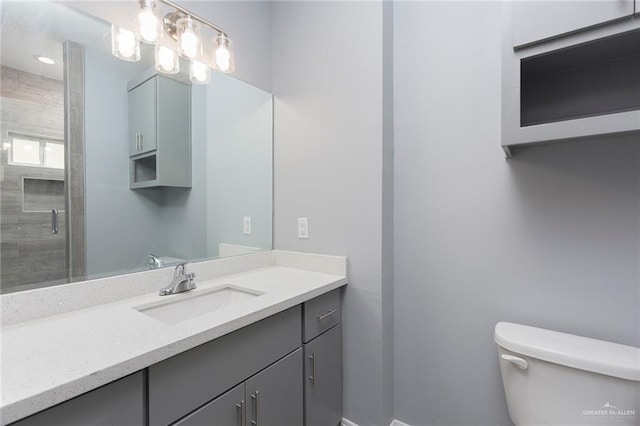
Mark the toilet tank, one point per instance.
(553, 378)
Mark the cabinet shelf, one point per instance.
(591, 79)
(577, 86)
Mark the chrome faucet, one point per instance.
(182, 281)
(155, 262)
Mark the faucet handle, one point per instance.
(190, 275)
(181, 269)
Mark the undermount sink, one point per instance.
(193, 304)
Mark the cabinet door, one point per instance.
(118, 403)
(534, 21)
(323, 379)
(142, 117)
(274, 396)
(225, 410)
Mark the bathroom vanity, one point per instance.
(271, 358)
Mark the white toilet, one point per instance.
(553, 378)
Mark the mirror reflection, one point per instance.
(150, 171)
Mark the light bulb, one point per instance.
(189, 43)
(222, 58)
(199, 73)
(124, 44)
(167, 60)
(148, 24)
(223, 55)
(188, 37)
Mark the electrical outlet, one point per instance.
(303, 227)
(246, 225)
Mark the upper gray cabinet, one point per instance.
(159, 132)
(142, 117)
(534, 21)
(583, 85)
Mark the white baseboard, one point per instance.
(395, 422)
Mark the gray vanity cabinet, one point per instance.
(185, 382)
(159, 132)
(118, 403)
(323, 360)
(269, 373)
(274, 396)
(535, 21)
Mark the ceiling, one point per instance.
(38, 28)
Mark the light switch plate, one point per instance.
(246, 225)
(303, 227)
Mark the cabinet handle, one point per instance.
(312, 377)
(137, 141)
(54, 221)
(331, 312)
(240, 407)
(256, 407)
(141, 141)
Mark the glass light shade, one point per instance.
(167, 60)
(148, 22)
(223, 54)
(189, 41)
(199, 73)
(125, 44)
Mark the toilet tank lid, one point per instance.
(579, 352)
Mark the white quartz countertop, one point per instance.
(49, 360)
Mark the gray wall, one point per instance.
(238, 164)
(114, 212)
(328, 115)
(184, 211)
(549, 238)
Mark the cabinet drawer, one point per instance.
(321, 313)
(187, 381)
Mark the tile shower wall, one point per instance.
(30, 253)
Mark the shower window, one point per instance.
(35, 151)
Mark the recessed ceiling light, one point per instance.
(45, 60)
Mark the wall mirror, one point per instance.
(70, 208)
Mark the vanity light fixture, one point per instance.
(223, 55)
(189, 44)
(125, 44)
(148, 22)
(199, 73)
(167, 60)
(184, 27)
